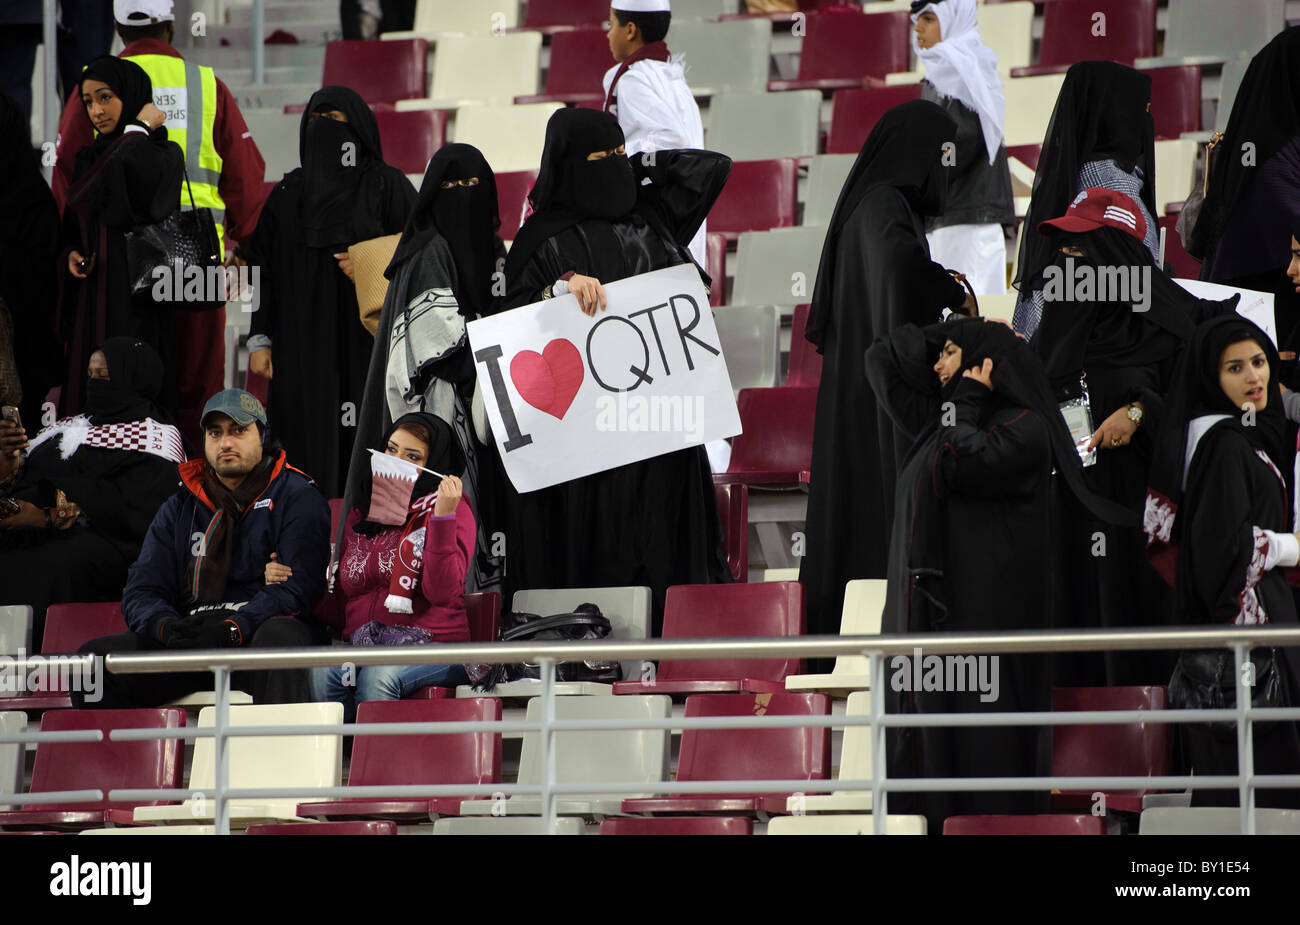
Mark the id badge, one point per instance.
(1078, 418)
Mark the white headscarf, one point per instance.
(964, 68)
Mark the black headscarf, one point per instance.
(332, 174)
(135, 377)
(570, 188)
(906, 151)
(467, 217)
(444, 456)
(1266, 113)
(1101, 113)
(131, 84)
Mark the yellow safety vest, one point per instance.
(187, 93)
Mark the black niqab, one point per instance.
(135, 378)
(333, 171)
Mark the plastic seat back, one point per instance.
(510, 137)
(486, 69)
(411, 138)
(70, 626)
(15, 629)
(755, 754)
(749, 337)
(765, 608)
(1175, 100)
(484, 612)
(744, 67)
(381, 72)
(778, 431)
(1072, 31)
(451, 758)
(1137, 750)
(777, 267)
(855, 112)
(274, 761)
(760, 126)
(1211, 28)
(759, 195)
(733, 508)
(845, 43)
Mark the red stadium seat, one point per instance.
(745, 754)
(1026, 154)
(843, 47)
(1073, 31)
(147, 764)
(67, 628)
(854, 113)
(1137, 750)
(512, 189)
(1182, 264)
(381, 72)
(678, 825)
(483, 610)
(414, 760)
(759, 195)
(804, 6)
(733, 507)
(776, 445)
(579, 59)
(410, 138)
(715, 259)
(548, 16)
(805, 361)
(1175, 99)
(363, 827)
(1025, 825)
(764, 608)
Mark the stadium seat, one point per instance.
(715, 260)
(743, 68)
(1072, 32)
(510, 137)
(844, 825)
(854, 113)
(1234, 69)
(276, 134)
(805, 362)
(678, 825)
(1030, 101)
(553, 15)
(416, 760)
(759, 195)
(296, 761)
(761, 126)
(855, 765)
(379, 72)
(686, 11)
(67, 628)
(483, 610)
(1007, 28)
(478, 69)
(437, 18)
(1175, 171)
(579, 59)
(764, 608)
(1210, 31)
(410, 138)
(777, 267)
(1182, 264)
(745, 754)
(513, 188)
(15, 629)
(999, 306)
(626, 608)
(1137, 750)
(507, 825)
(864, 603)
(12, 757)
(1175, 100)
(105, 765)
(636, 756)
(843, 47)
(359, 827)
(749, 339)
(827, 174)
(776, 445)
(733, 508)
(1045, 824)
(785, 15)
(1216, 820)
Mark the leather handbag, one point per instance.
(1206, 679)
(1191, 211)
(586, 622)
(369, 260)
(188, 236)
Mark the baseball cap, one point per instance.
(143, 12)
(241, 407)
(1098, 207)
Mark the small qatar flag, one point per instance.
(392, 481)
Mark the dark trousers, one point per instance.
(90, 35)
(127, 691)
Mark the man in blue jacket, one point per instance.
(199, 582)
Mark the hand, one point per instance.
(968, 306)
(79, 266)
(65, 513)
(983, 374)
(29, 515)
(152, 116)
(232, 263)
(345, 264)
(259, 362)
(1116, 431)
(13, 439)
(449, 494)
(589, 293)
(1285, 355)
(277, 572)
(216, 634)
(178, 633)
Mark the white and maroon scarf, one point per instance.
(392, 482)
(146, 436)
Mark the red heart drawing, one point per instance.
(548, 380)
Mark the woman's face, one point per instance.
(335, 115)
(1293, 271)
(405, 445)
(927, 30)
(97, 368)
(102, 105)
(620, 151)
(949, 362)
(1243, 374)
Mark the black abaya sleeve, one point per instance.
(684, 184)
(261, 248)
(122, 504)
(143, 182)
(996, 461)
(542, 270)
(898, 370)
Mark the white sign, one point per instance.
(569, 395)
(1254, 306)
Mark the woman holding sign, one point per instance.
(653, 522)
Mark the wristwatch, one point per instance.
(1135, 413)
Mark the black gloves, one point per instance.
(214, 630)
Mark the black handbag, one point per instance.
(586, 622)
(1206, 679)
(188, 236)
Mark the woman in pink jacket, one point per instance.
(401, 585)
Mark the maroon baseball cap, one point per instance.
(1098, 207)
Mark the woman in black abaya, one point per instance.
(441, 278)
(653, 522)
(308, 319)
(1219, 524)
(975, 545)
(875, 275)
